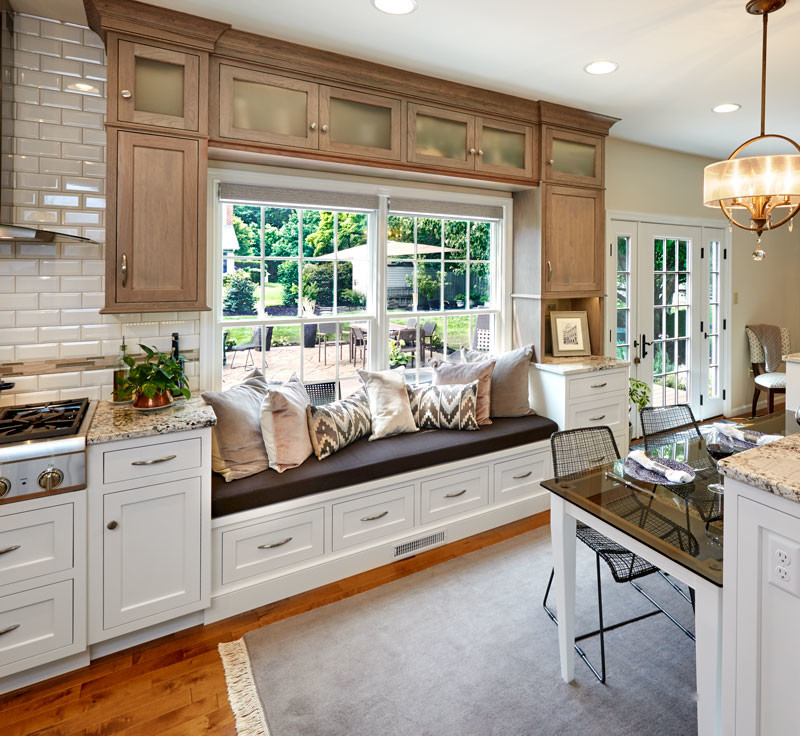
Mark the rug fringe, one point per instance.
(242, 693)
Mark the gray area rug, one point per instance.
(465, 649)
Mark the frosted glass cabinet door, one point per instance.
(158, 87)
(360, 124)
(503, 148)
(441, 137)
(572, 158)
(267, 108)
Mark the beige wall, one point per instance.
(647, 180)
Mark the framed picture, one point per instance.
(570, 333)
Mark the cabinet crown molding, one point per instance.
(571, 117)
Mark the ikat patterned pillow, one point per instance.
(445, 407)
(338, 424)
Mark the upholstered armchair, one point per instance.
(772, 383)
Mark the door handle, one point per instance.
(12, 548)
(549, 271)
(644, 345)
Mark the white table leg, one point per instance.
(708, 629)
(562, 532)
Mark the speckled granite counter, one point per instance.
(112, 423)
(582, 364)
(774, 468)
(792, 358)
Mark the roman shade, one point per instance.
(432, 208)
(286, 197)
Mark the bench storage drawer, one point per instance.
(149, 460)
(257, 549)
(520, 476)
(454, 494)
(597, 383)
(372, 517)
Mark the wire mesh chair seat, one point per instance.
(322, 392)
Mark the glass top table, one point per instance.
(684, 522)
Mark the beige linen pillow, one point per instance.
(283, 424)
(447, 374)
(509, 391)
(237, 448)
(388, 403)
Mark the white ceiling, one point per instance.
(677, 58)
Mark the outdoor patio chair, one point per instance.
(482, 336)
(358, 339)
(327, 333)
(321, 392)
(254, 344)
(428, 328)
(411, 322)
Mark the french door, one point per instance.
(668, 311)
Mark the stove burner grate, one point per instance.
(41, 421)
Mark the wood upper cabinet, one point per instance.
(359, 124)
(572, 158)
(267, 108)
(160, 87)
(504, 148)
(157, 261)
(441, 137)
(573, 221)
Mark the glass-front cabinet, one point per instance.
(503, 148)
(441, 137)
(158, 86)
(267, 108)
(572, 158)
(360, 124)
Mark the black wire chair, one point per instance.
(580, 451)
(321, 392)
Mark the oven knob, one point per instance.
(5, 487)
(50, 478)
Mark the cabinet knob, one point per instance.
(472, 151)
(313, 126)
(112, 525)
(551, 161)
(324, 128)
(126, 93)
(480, 152)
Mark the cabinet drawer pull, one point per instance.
(9, 549)
(597, 419)
(599, 385)
(472, 151)
(155, 461)
(276, 544)
(457, 493)
(377, 516)
(9, 629)
(522, 475)
(549, 271)
(124, 269)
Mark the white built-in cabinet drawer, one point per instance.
(149, 460)
(371, 517)
(520, 476)
(34, 543)
(609, 411)
(455, 493)
(257, 549)
(597, 383)
(35, 622)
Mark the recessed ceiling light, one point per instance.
(601, 67)
(727, 107)
(396, 7)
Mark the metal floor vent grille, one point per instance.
(416, 544)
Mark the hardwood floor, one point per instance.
(175, 686)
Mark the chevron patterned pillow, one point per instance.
(338, 424)
(445, 407)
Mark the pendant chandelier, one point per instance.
(767, 187)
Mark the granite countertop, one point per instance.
(792, 358)
(121, 422)
(580, 364)
(774, 468)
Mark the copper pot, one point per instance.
(160, 400)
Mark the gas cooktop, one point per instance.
(41, 421)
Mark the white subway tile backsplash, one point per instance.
(38, 114)
(95, 203)
(81, 250)
(6, 284)
(82, 119)
(26, 129)
(36, 216)
(60, 166)
(26, 60)
(24, 197)
(90, 392)
(59, 334)
(60, 300)
(94, 268)
(84, 349)
(18, 336)
(59, 66)
(35, 45)
(37, 283)
(71, 217)
(94, 168)
(95, 71)
(19, 267)
(27, 180)
(6, 353)
(61, 200)
(101, 332)
(75, 184)
(23, 384)
(90, 38)
(46, 250)
(30, 147)
(93, 299)
(37, 397)
(94, 137)
(61, 100)
(97, 377)
(81, 283)
(42, 351)
(41, 80)
(20, 301)
(94, 104)
(80, 317)
(67, 133)
(26, 95)
(60, 267)
(60, 31)
(59, 380)
(38, 318)
(85, 53)
(26, 24)
(7, 318)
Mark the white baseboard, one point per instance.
(43, 672)
(109, 646)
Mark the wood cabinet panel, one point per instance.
(504, 148)
(572, 158)
(158, 261)
(440, 137)
(572, 235)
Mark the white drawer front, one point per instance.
(149, 460)
(454, 494)
(520, 476)
(372, 517)
(601, 412)
(601, 382)
(34, 543)
(35, 621)
(259, 548)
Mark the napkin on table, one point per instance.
(753, 438)
(673, 476)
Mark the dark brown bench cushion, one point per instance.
(364, 461)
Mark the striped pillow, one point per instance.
(445, 407)
(338, 424)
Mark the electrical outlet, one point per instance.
(783, 563)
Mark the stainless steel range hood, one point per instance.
(8, 230)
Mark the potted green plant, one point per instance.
(155, 380)
(397, 358)
(639, 396)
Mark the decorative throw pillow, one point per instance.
(389, 406)
(447, 374)
(283, 424)
(338, 424)
(237, 449)
(445, 407)
(509, 391)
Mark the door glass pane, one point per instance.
(441, 137)
(360, 124)
(158, 87)
(572, 157)
(269, 109)
(712, 333)
(503, 148)
(623, 297)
